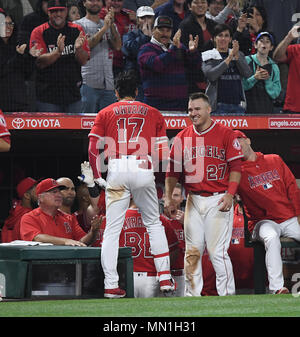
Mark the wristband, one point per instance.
(232, 187)
(94, 191)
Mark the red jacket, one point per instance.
(11, 227)
(269, 190)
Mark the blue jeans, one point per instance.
(94, 100)
(49, 107)
(229, 109)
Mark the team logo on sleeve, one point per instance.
(236, 144)
(67, 227)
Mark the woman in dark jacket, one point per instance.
(250, 24)
(15, 67)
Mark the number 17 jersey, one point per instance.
(130, 128)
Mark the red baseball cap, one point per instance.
(239, 134)
(47, 185)
(24, 185)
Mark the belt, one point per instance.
(130, 156)
(207, 194)
(148, 273)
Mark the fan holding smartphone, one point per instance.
(264, 85)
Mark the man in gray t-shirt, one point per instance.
(97, 90)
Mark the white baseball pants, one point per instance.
(127, 177)
(145, 286)
(269, 232)
(204, 225)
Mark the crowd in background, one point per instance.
(244, 54)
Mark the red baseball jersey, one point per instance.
(134, 234)
(269, 190)
(62, 225)
(204, 157)
(4, 133)
(11, 227)
(130, 127)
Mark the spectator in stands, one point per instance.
(97, 90)
(125, 20)
(65, 50)
(177, 10)
(26, 202)
(264, 85)
(133, 40)
(48, 224)
(162, 67)
(280, 16)
(32, 20)
(15, 67)
(197, 24)
(250, 24)
(18, 8)
(224, 69)
(176, 221)
(4, 134)
(290, 53)
(68, 198)
(271, 200)
(73, 11)
(133, 5)
(220, 12)
(28, 23)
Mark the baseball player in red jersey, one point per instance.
(26, 203)
(4, 134)
(209, 156)
(133, 133)
(271, 199)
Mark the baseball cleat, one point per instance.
(114, 293)
(167, 287)
(281, 291)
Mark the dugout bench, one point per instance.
(259, 268)
(58, 271)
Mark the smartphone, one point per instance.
(267, 67)
(2, 25)
(249, 13)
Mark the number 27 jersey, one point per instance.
(203, 157)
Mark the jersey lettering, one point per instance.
(138, 245)
(263, 178)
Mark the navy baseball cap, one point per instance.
(57, 4)
(260, 35)
(163, 21)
